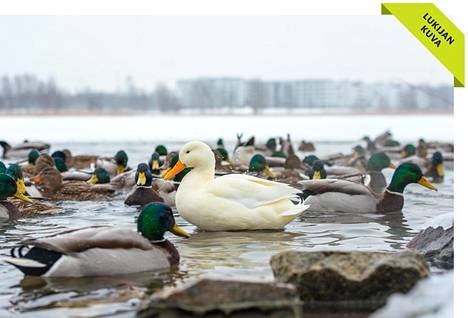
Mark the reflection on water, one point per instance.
(222, 254)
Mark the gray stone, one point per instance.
(436, 244)
(224, 298)
(348, 280)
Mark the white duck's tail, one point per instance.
(296, 210)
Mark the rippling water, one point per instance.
(225, 254)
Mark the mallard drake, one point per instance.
(230, 202)
(9, 188)
(50, 183)
(332, 195)
(103, 250)
(258, 165)
(436, 168)
(115, 165)
(143, 193)
(155, 162)
(21, 150)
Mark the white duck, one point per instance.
(231, 202)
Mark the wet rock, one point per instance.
(436, 244)
(430, 298)
(223, 298)
(348, 280)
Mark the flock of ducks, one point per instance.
(258, 187)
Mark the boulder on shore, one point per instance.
(359, 280)
(224, 298)
(436, 244)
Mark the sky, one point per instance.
(101, 51)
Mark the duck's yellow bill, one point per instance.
(141, 179)
(440, 170)
(21, 186)
(21, 196)
(403, 154)
(317, 175)
(93, 179)
(37, 180)
(155, 165)
(426, 183)
(177, 230)
(268, 172)
(175, 170)
(392, 165)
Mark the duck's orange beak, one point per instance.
(175, 170)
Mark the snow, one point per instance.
(430, 298)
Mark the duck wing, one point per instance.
(83, 239)
(251, 191)
(334, 185)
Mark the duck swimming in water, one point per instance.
(231, 202)
(143, 193)
(103, 250)
(332, 195)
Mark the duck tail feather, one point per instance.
(22, 262)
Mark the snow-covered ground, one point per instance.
(208, 127)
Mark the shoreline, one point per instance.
(188, 114)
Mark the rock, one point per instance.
(430, 298)
(436, 244)
(224, 298)
(348, 280)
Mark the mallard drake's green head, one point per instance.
(60, 164)
(143, 176)
(33, 155)
(408, 151)
(407, 173)
(309, 160)
(223, 152)
(271, 144)
(155, 220)
(59, 154)
(9, 188)
(161, 150)
(2, 167)
(99, 176)
(437, 162)
(258, 163)
(121, 159)
(14, 171)
(155, 162)
(379, 161)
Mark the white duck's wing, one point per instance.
(334, 185)
(251, 191)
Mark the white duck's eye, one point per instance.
(187, 152)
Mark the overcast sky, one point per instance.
(101, 51)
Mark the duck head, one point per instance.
(407, 173)
(121, 159)
(155, 163)
(359, 152)
(193, 155)
(408, 151)
(271, 144)
(143, 176)
(309, 160)
(155, 220)
(437, 161)
(220, 143)
(259, 164)
(318, 171)
(161, 150)
(33, 155)
(100, 176)
(379, 161)
(9, 188)
(16, 173)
